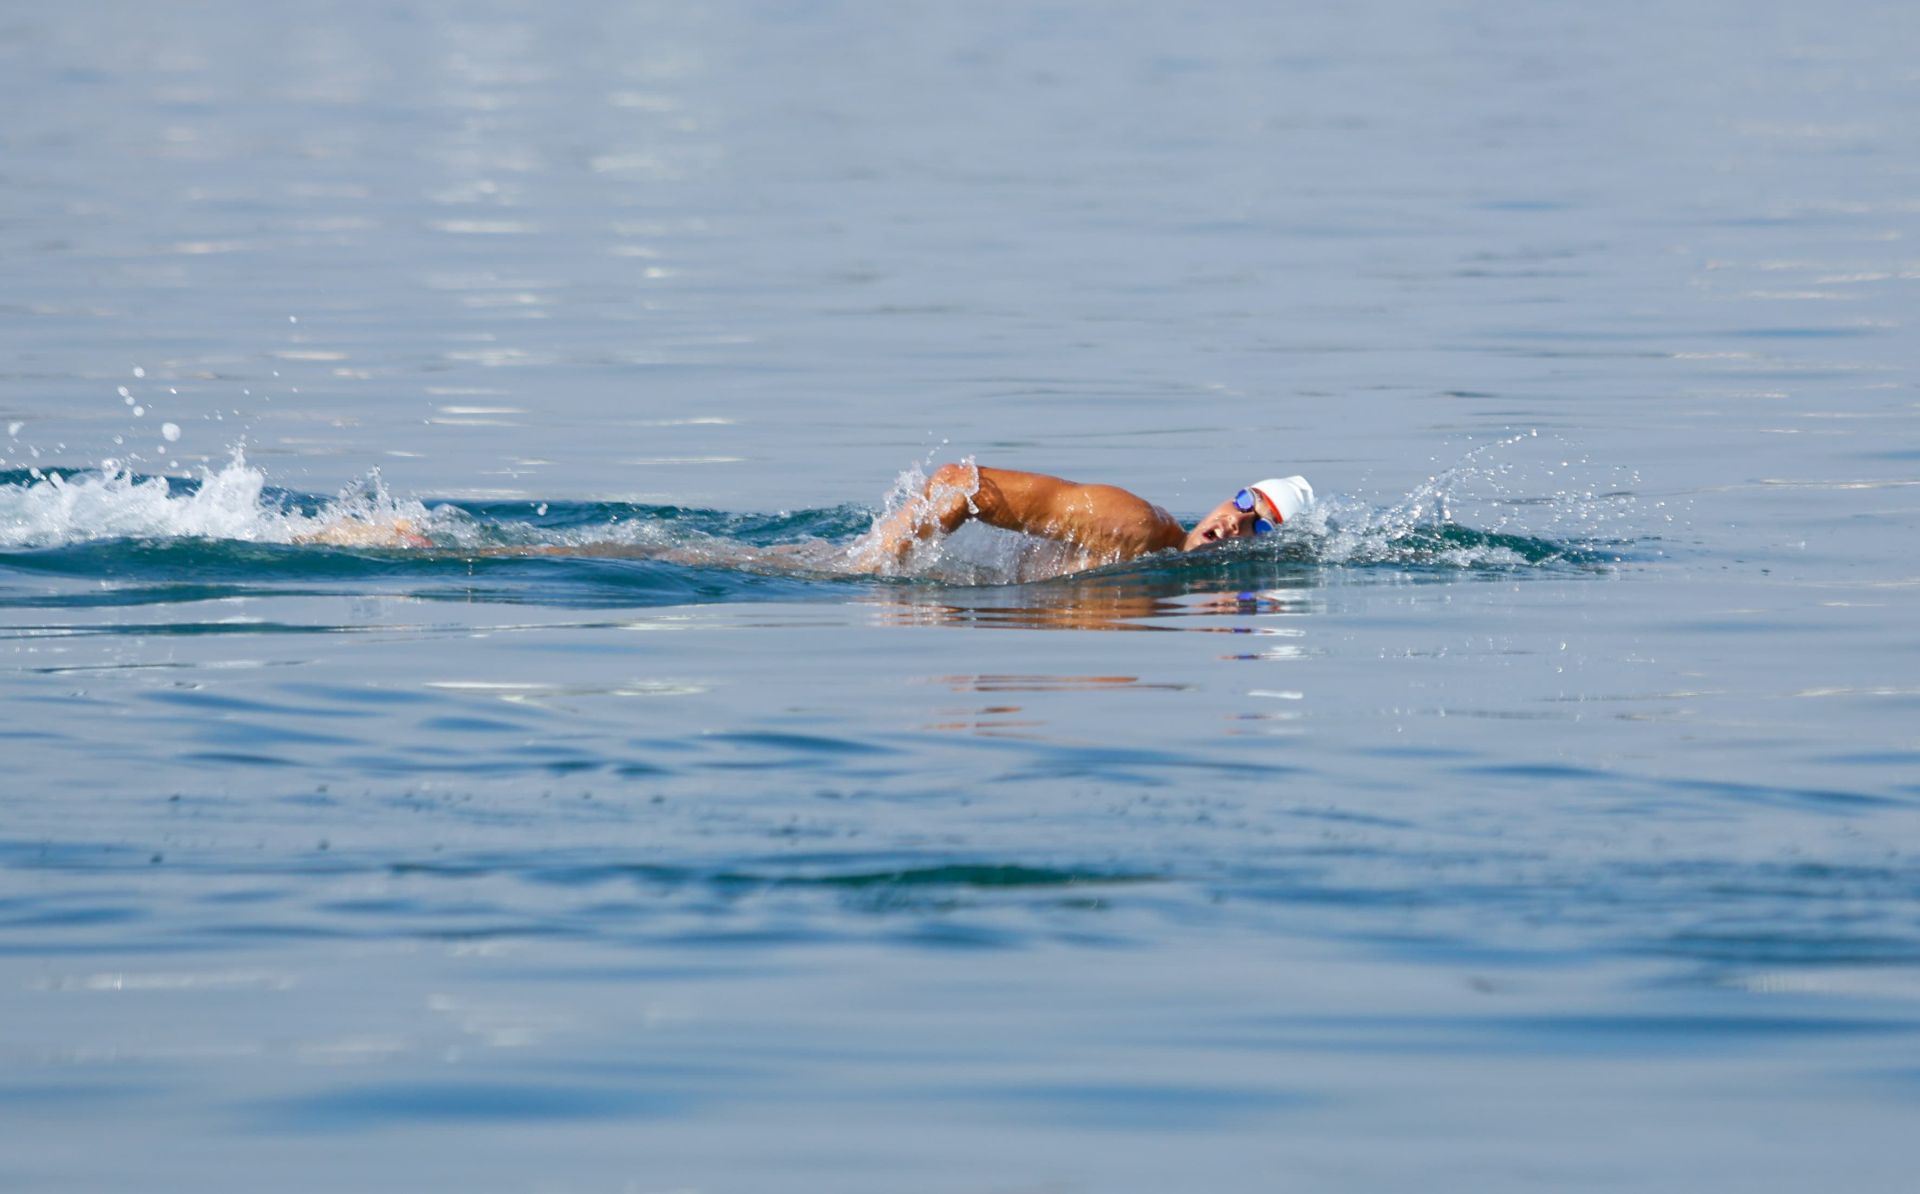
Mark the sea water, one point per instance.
(1540, 812)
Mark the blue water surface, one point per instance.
(1542, 813)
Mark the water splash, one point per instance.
(974, 554)
(41, 508)
(1501, 505)
(1521, 523)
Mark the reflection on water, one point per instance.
(1157, 600)
(999, 683)
(1170, 599)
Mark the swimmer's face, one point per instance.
(1224, 521)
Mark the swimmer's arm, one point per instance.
(954, 495)
(1100, 518)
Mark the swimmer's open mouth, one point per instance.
(1212, 539)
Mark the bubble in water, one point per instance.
(170, 432)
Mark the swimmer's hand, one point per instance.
(886, 546)
(947, 500)
(353, 532)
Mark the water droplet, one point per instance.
(170, 431)
(139, 372)
(139, 411)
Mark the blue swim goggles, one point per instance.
(1244, 501)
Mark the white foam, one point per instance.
(52, 510)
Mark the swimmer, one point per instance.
(1097, 524)
(1103, 523)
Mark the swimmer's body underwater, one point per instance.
(1102, 524)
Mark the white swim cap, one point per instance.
(1282, 498)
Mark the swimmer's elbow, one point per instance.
(952, 478)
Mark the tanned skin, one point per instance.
(1106, 523)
